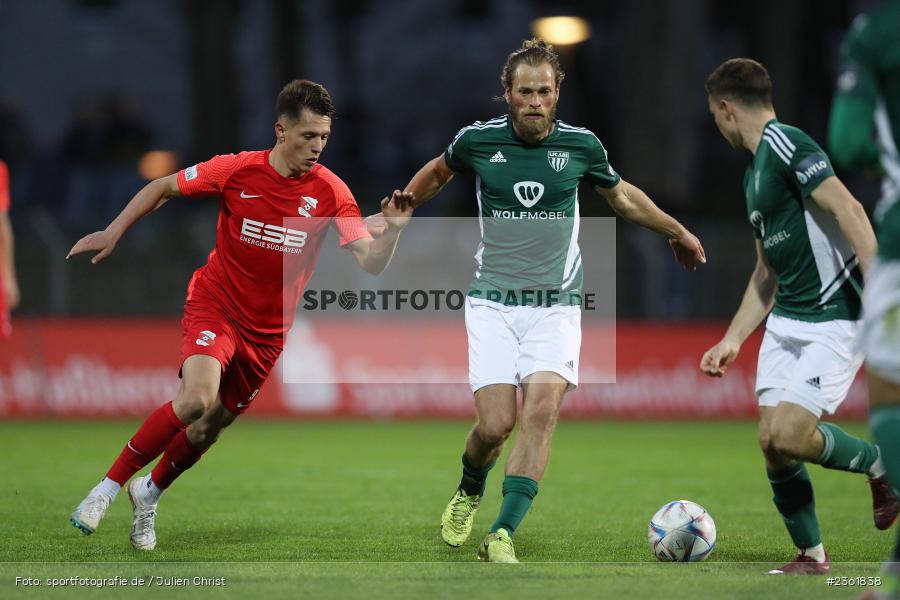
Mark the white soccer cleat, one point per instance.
(88, 514)
(143, 526)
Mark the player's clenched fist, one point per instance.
(103, 242)
(717, 359)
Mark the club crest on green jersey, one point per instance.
(756, 219)
(558, 159)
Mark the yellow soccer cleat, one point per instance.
(458, 517)
(497, 547)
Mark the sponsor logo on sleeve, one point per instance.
(190, 173)
(811, 168)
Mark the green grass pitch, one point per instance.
(351, 509)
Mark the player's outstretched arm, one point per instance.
(152, 196)
(374, 254)
(632, 204)
(832, 196)
(428, 181)
(756, 304)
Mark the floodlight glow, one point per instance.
(157, 163)
(561, 30)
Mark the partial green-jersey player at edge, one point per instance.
(523, 316)
(813, 244)
(864, 135)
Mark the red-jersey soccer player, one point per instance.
(241, 303)
(9, 287)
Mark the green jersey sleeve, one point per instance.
(809, 165)
(850, 127)
(458, 153)
(858, 61)
(600, 172)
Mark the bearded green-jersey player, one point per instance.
(813, 240)
(868, 98)
(522, 314)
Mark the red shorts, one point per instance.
(245, 364)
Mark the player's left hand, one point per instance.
(397, 210)
(688, 250)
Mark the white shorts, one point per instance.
(879, 338)
(509, 343)
(809, 364)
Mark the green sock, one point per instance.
(473, 479)
(845, 452)
(795, 501)
(884, 421)
(518, 493)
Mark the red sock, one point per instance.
(180, 456)
(150, 440)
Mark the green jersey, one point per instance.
(871, 75)
(528, 208)
(818, 273)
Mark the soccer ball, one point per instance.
(681, 531)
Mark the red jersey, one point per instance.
(268, 237)
(4, 187)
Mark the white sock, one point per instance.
(150, 493)
(877, 468)
(108, 488)
(816, 552)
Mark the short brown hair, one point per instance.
(534, 52)
(743, 80)
(300, 94)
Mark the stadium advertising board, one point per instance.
(91, 368)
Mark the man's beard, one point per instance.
(533, 126)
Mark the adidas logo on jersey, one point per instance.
(498, 157)
(814, 381)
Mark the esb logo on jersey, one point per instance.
(275, 234)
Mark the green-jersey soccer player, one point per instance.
(868, 98)
(813, 243)
(523, 316)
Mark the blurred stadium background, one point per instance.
(97, 96)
